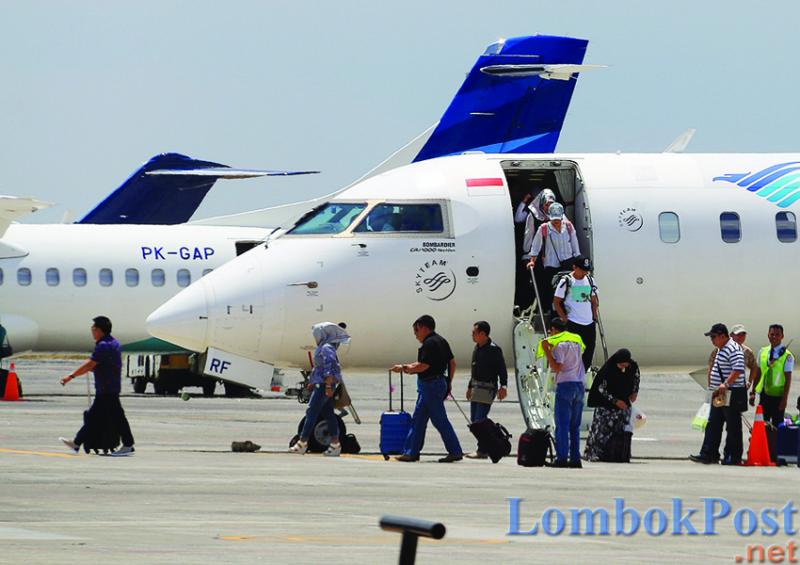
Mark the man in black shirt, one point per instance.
(435, 367)
(488, 366)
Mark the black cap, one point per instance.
(582, 263)
(558, 324)
(717, 329)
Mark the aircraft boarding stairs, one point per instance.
(535, 380)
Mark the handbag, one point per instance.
(482, 393)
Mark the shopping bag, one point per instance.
(700, 420)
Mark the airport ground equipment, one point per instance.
(412, 529)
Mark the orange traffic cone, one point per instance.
(758, 453)
(12, 390)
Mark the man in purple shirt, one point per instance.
(565, 359)
(106, 364)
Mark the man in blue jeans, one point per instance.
(435, 367)
(564, 350)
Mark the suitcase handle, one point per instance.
(401, 392)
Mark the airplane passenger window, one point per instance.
(157, 277)
(184, 277)
(132, 277)
(106, 277)
(206, 271)
(52, 277)
(786, 224)
(24, 276)
(730, 227)
(669, 227)
(79, 277)
(333, 217)
(403, 218)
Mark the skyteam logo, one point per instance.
(779, 183)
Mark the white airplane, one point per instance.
(53, 278)
(678, 242)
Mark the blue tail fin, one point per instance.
(167, 190)
(514, 99)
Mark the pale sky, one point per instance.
(90, 90)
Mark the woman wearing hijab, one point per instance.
(325, 376)
(614, 389)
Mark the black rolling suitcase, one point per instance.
(103, 434)
(535, 448)
(491, 436)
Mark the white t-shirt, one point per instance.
(578, 304)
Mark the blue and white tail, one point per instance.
(514, 99)
(167, 190)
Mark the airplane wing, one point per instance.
(514, 99)
(12, 208)
(167, 190)
(15, 207)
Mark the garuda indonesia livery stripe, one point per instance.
(167, 190)
(779, 183)
(514, 99)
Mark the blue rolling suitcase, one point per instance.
(394, 425)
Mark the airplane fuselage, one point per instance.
(70, 273)
(678, 242)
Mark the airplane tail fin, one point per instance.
(514, 99)
(166, 190)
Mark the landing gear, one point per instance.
(209, 386)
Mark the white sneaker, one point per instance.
(124, 451)
(73, 447)
(334, 450)
(476, 455)
(300, 447)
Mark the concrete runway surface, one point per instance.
(185, 497)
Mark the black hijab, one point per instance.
(620, 383)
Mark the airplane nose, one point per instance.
(183, 319)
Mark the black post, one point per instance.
(408, 548)
(412, 529)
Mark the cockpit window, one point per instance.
(333, 217)
(403, 218)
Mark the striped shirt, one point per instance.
(730, 357)
(558, 246)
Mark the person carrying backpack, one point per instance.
(576, 303)
(557, 240)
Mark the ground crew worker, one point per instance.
(772, 377)
(560, 245)
(488, 367)
(563, 350)
(435, 368)
(576, 304)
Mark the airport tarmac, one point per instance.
(185, 497)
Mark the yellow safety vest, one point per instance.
(559, 338)
(772, 378)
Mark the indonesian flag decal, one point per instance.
(485, 182)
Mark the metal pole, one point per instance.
(538, 301)
(408, 549)
(602, 335)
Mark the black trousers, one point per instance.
(106, 410)
(589, 336)
(731, 418)
(769, 405)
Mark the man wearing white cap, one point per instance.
(560, 244)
